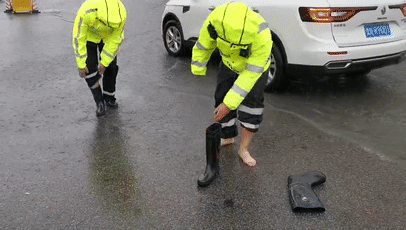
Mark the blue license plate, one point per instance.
(377, 30)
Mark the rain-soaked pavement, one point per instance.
(136, 168)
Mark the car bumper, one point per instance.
(346, 66)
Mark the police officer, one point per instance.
(99, 29)
(244, 41)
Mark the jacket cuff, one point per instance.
(81, 65)
(232, 100)
(196, 70)
(105, 62)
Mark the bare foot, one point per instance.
(246, 158)
(225, 142)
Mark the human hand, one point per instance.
(102, 69)
(83, 72)
(221, 111)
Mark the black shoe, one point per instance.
(101, 109)
(112, 104)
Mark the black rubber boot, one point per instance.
(112, 104)
(213, 135)
(301, 194)
(101, 109)
(100, 104)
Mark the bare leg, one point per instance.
(246, 139)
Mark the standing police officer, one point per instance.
(244, 41)
(99, 26)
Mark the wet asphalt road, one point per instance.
(136, 168)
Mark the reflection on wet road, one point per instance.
(112, 174)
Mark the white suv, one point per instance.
(313, 37)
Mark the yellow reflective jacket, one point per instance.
(97, 20)
(245, 44)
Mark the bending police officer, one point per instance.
(99, 28)
(244, 41)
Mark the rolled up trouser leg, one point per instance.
(228, 125)
(97, 95)
(213, 134)
(301, 194)
(91, 80)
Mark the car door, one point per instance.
(376, 21)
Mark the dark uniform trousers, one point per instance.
(110, 74)
(249, 113)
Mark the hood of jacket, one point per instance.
(111, 13)
(236, 23)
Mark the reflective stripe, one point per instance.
(199, 64)
(108, 54)
(34, 5)
(77, 36)
(95, 86)
(252, 111)
(81, 56)
(263, 26)
(228, 124)
(223, 54)
(200, 46)
(250, 126)
(239, 91)
(8, 5)
(91, 10)
(108, 93)
(255, 69)
(91, 75)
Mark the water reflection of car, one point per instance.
(315, 37)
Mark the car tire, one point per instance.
(173, 38)
(276, 77)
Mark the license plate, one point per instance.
(377, 30)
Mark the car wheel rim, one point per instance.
(173, 39)
(272, 70)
